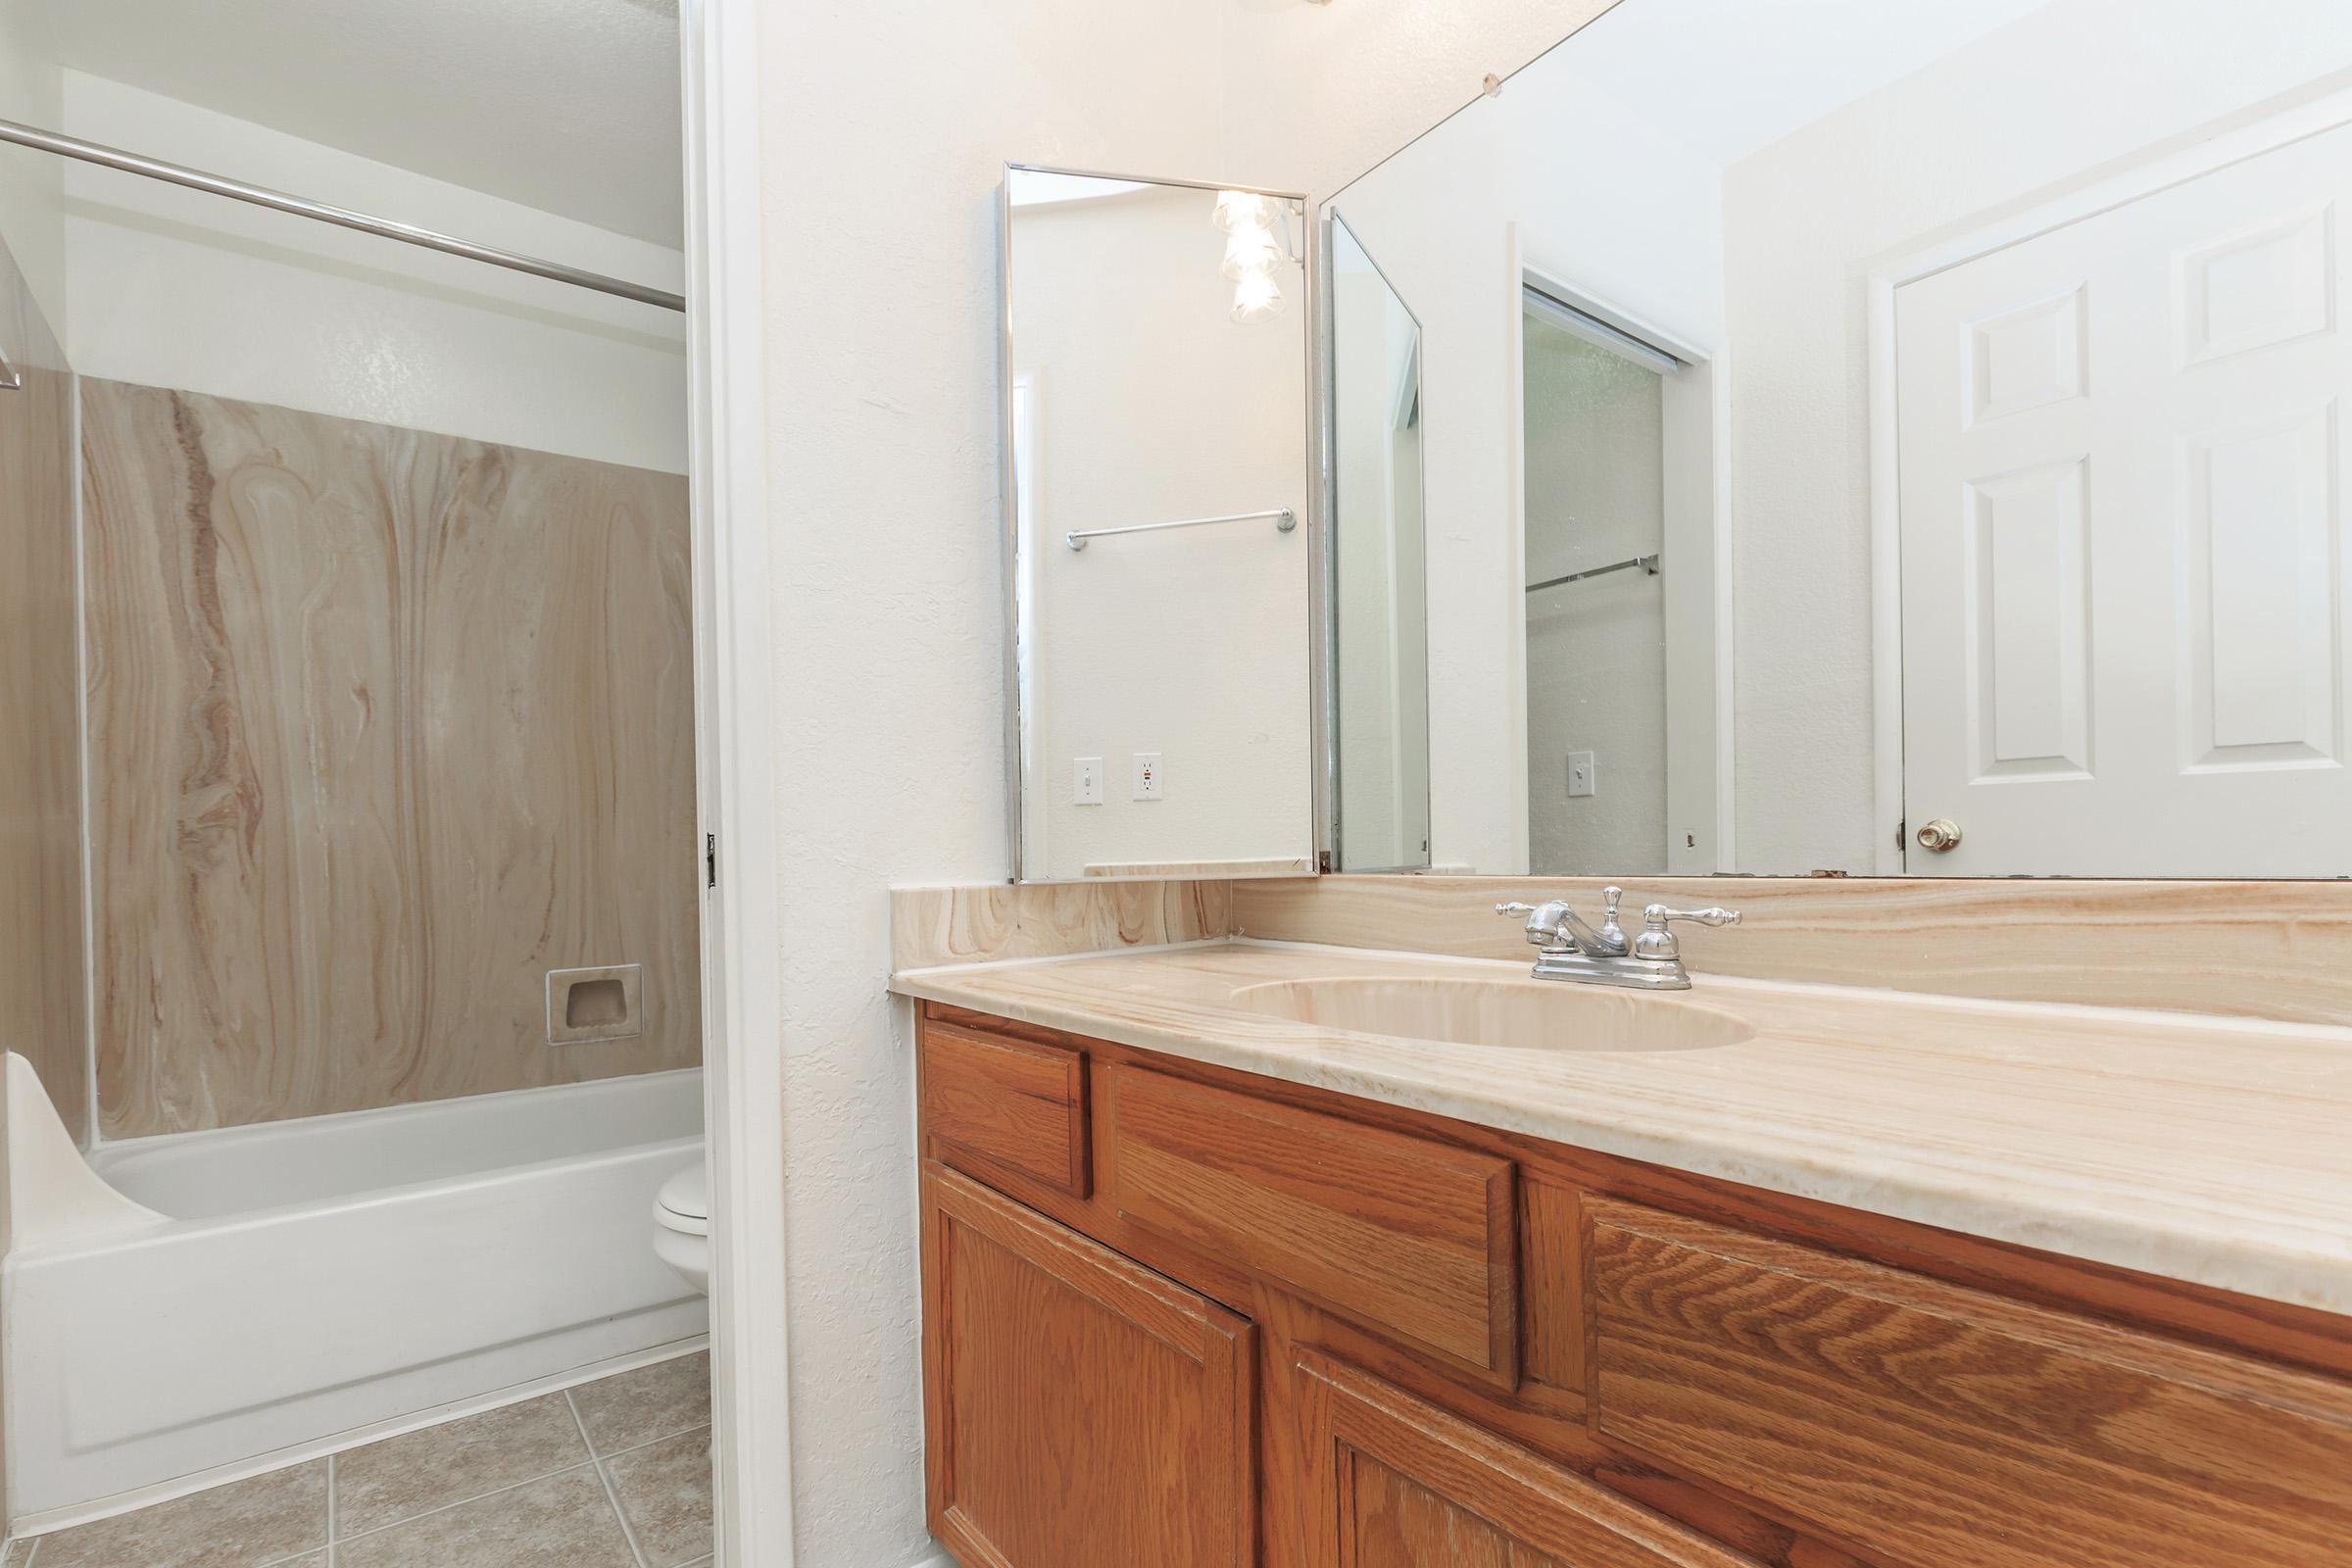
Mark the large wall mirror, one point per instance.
(1158, 500)
(1854, 437)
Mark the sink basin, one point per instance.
(1508, 1014)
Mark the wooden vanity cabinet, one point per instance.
(1180, 1315)
(1081, 1409)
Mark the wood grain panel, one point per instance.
(41, 970)
(1558, 1318)
(1405, 1483)
(384, 725)
(2264, 949)
(1012, 1102)
(1400, 1233)
(1079, 1410)
(995, 921)
(1931, 1424)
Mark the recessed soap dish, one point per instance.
(599, 1003)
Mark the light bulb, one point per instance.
(1258, 298)
(1242, 209)
(1250, 250)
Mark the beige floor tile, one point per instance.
(633, 1409)
(245, 1524)
(417, 1472)
(665, 1490)
(565, 1521)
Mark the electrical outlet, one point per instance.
(1147, 775)
(1581, 771)
(1085, 781)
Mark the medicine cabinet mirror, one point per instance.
(1157, 497)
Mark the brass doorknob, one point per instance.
(1939, 835)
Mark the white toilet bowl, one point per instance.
(682, 1225)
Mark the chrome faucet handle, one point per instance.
(1657, 940)
(1543, 928)
(1610, 931)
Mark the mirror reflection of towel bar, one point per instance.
(1649, 564)
(10, 380)
(1285, 520)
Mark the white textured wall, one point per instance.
(176, 288)
(886, 130)
(1804, 222)
(33, 183)
(1153, 404)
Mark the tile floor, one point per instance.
(613, 1474)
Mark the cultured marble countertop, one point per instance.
(2213, 1150)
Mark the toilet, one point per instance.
(682, 1225)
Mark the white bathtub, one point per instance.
(232, 1294)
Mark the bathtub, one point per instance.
(185, 1306)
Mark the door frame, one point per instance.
(734, 655)
(2176, 161)
(1698, 419)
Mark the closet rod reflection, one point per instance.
(90, 151)
(1649, 564)
(1285, 520)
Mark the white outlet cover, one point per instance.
(1581, 775)
(1148, 782)
(1085, 781)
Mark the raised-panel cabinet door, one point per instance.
(1398, 1482)
(1081, 1410)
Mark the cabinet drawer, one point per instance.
(1402, 1235)
(1935, 1425)
(1014, 1104)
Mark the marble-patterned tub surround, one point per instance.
(41, 970)
(384, 725)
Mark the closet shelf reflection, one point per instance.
(1649, 564)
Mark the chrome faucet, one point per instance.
(1572, 950)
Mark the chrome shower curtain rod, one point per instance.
(90, 151)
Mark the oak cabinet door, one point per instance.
(1081, 1410)
(1398, 1482)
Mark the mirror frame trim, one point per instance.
(1008, 519)
(1326, 544)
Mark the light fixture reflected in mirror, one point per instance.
(1258, 298)
(1250, 250)
(1252, 253)
(1244, 208)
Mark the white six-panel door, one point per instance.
(2126, 649)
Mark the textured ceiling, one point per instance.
(570, 106)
